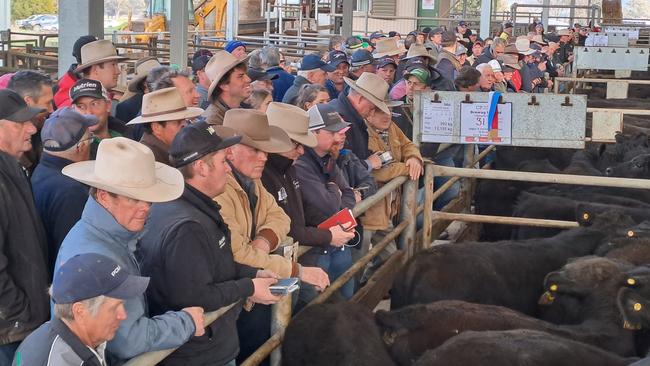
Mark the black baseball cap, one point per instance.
(257, 74)
(198, 63)
(384, 61)
(393, 34)
(82, 41)
(337, 57)
(313, 62)
(88, 88)
(376, 35)
(324, 116)
(199, 139)
(13, 107)
(361, 57)
(65, 128)
(89, 275)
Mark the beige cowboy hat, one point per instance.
(164, 105)
(374, 88)
(220, 63)
(256, 132)
(418, 50)
(386, 47)
(128, 168)
(142, 69)
(523, 46)
(293, 120)
(539, 40)
(97, 52)
(564, 32)
(508, 60)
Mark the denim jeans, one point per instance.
(334, 263)
(7, 352)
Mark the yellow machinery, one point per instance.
(207, 15)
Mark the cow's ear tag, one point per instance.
(637, 307)
(585, 216)
(630, 234)
(631, 281)
(553, 287)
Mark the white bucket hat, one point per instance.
(128, 168)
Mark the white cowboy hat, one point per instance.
(128, 168)
(164, 105)
(98, 52)
(293, 120)
(142, 69)
(523, 46)
(374, 88)
(220, 63)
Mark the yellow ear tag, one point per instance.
(553, 287)
(630, 233)
(585, 216)
(631, 281)
(637, 307)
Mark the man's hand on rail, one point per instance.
(415, 168)
(315, 276)
(196, 312)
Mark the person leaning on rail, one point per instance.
(88, 296)
(124, 180)
(186, 249)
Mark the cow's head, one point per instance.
(637, 167)
(634, 309)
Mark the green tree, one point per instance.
(21, 9)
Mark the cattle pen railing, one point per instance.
(409, 241)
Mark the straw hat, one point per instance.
(97, 52)
(418, 50)
(523, 46)
(128, 168)
(374, 88)
(386, 47)
(254, 128)
(293, 120)
(142, 69)
(164, 105)
(539, 40)
(219, 65)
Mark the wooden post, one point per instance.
(407, 213)
(428, 205)
(280, 317)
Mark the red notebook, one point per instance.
(340, 218)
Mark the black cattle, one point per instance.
(518, 348)
(510, 157)
(412, 330)
(506, 273)
(637, 167)
(633, 250)
(587, 212)
(334, 334)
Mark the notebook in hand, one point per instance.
(284, 286)
(341, 218)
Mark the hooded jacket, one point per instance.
(23, 256)
(282, 83)
(186, 252)
(62, 96)
(99, 232)
(292, 93)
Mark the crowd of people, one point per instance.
(142, 207)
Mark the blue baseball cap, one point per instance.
(361, 57)
(232, 45)
(65, 128)
(89, 275)
(337, 57)
(313, 62)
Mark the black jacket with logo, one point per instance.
(186, 252)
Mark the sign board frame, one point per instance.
(538, 120)
(611, 58)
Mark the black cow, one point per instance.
(518, 348)
(506, 273)
(334, 334)
(637, 167)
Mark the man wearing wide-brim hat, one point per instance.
(565, 53)
(281, 180)
(186, 249)
(368, 92)
(531, 75)
(229, 85)
(387, 47)
(129, 108)
(164, 114)
(510, 67)
(99, 62)
(257, 224)
(125, 179)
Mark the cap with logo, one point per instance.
(495, 65)
(324, 116)
(198, 63)
(313, 62)
(88, 88)
(462, 23)
(65, 128)
(257, 74)
(385, 61)
(361, 57)
(336, 58)
(376, 35)
(89, 275)
(420, 73)
(199, 139)
(13, 107)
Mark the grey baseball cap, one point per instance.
(324, 116)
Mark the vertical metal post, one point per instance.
(486, 16)
(572, 13)
(77, 18)
(315, 15)
(232, 19)
(280, 20)
(545, 13)
(409, 206)
(300, 22)
(428, 205)
(280, 317)
(178, 33)
(348, 9)
(5, 14)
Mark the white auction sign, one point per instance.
(474, 127)
(438, 122)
